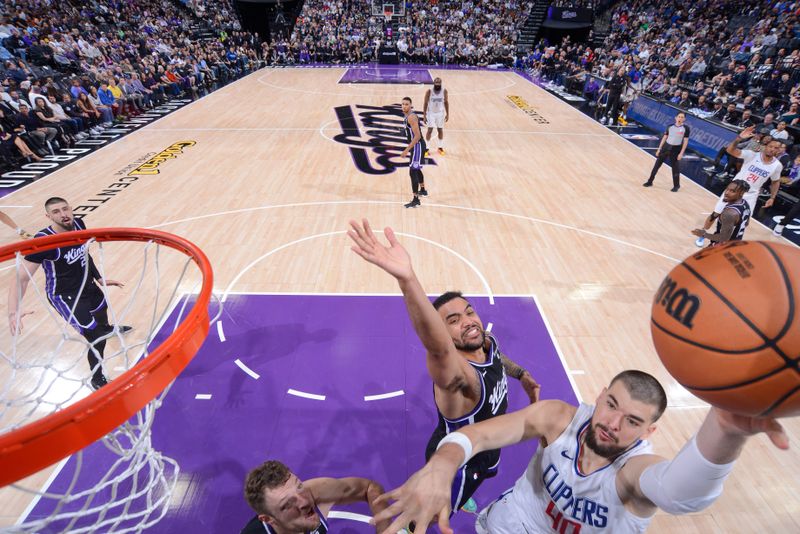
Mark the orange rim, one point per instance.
(31, 448)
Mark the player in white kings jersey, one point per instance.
(593, 471)
(437, 112)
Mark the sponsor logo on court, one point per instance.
(24, 175)
(375, 137)
(142, 167)
(150, 166)
(678, 302)
(529, 110)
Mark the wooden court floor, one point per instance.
(532, 197)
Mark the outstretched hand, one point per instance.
(747, 133)
(745, 425)
(423, 499)
(14, 325)
(393, 259)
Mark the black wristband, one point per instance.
(520, 373)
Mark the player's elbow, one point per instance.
(677, 490)
(688, 506)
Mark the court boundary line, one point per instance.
(46, 485)
(433, 205)
(297, 393)
(131, 134)
(381, 396)
(241, 365)
(264, 256)
(550, 333)
(367, 294)
(367, 398)
(449, 130)
(303, 394)
(272, 70)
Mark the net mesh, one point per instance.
(121, 483)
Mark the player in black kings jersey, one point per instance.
(70, 286)
(287, 505)
(415, 150)
(733, 220)
(466, 365)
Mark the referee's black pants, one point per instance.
(668, 152)
(613, 106)
(793, 212)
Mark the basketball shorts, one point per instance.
(467, 481)
(434, 120)
(81, 310)
(502, 517)
(416, 154)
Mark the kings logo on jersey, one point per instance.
(499, 393)
(76, 254)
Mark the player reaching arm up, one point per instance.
(468, 369)
(567, 484)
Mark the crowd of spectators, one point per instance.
(71, 69)
(736, 62)
(695, 55)
(217, 13)
(331, 31)
(466, 32)
(587, 4)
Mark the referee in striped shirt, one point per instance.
(673, 145)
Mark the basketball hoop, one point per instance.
(388, 12)
(126, 405)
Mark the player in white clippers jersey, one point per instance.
(757, 168)
(437, 112)
(593, 472)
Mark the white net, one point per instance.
(120, 483)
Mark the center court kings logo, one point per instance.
(375, 137)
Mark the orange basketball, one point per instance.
(726, 325)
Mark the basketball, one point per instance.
(725, 325)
